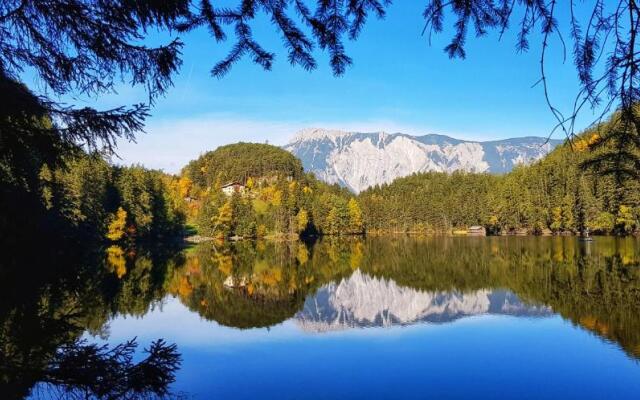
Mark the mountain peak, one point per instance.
(309, 134)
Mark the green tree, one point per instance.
(625, 220)
(244, 217)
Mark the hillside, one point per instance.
(270, 196)
(237, 162)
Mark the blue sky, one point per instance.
(398, 82)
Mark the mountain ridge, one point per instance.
(359, 160)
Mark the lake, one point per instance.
(352, 318)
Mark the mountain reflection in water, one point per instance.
(336, 284)
(361, 301)
(342, 283)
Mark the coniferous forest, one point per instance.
(575, 187)
(589, 183)
(581, 186)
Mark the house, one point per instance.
(233, 187)
(477, 230)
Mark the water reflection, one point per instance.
(336, 284)
(352, 283)
(50, 297)
(362, 301)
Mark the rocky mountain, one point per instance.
(362, 301)
(360, 160)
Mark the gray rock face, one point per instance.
(360, 160)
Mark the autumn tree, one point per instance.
(224, 219)
(116, 229)
(625, 220)
(302, 220)
(356, 224)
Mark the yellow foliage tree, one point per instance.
(224, 218)
(625, 219)
(271, 195)
(116, 229)
(184, 186)
(261, 231)
(303, 254)
(116, 261)
(302, 219)
(356, 224)
(277, 198)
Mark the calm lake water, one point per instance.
(440, 318)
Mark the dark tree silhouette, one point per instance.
(81, 370)
(77, 48)
(83, 47)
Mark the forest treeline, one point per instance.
(257, 190)
(56, 192)
(82, 198)
(565, 192)
(116, 203)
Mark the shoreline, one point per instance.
(197, 239)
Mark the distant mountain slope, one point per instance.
(360, 160)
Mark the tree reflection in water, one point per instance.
(81, 370)
(596, 286)
(48, 301)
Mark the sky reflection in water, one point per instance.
(416, 319)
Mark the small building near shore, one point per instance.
(477, 230)
(232, 187)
